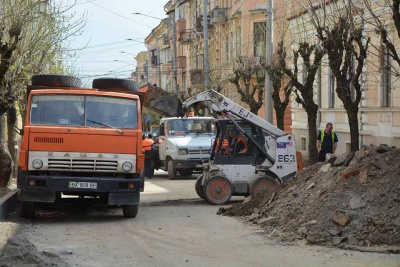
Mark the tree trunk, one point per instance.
(280, 115)
(312, 134)
(352, 114)
(5, 158)
(13, 145)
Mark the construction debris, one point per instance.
(323, 208)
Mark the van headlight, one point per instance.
(127, 166)
(37, 163)
(183, 151)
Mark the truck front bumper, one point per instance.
(189, 164)
(45, 188)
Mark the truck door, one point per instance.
(162, 140)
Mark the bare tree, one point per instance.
(341, 36)
(279, 85)
(249, 78)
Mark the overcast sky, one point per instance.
(110, 24)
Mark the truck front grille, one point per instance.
(198, 152)
(82, 164)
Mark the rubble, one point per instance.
(325, 209)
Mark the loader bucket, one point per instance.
(162, 102)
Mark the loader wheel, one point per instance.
(262, 185)
(27, 210)
(130, 211)
(218, 190)
(199, 187)
(56, 80)
(115, 83)
(171, 170)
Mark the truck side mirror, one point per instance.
(162, 130)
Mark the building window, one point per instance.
(154, 57)
(259, 36)
(165, 56)
(238, 41)
(331, 88)
(386, 76)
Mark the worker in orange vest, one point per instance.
(147, 144)
(237, 145)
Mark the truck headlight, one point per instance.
(127, 166)
(37, 163)
(183, 151)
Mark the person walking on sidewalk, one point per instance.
(326, 142)
(147, 144)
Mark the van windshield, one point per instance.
(80, 110)
(191, 127)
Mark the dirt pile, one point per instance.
(19, 251)
(353, 201)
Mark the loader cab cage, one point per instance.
(220, 151)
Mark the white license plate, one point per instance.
(88, 185)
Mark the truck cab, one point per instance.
(184, 144)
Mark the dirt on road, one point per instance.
(352, 202)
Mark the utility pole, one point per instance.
(268, 56)
(159, 65)
(206, 66)
(174, 68)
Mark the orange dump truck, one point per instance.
(84, 142)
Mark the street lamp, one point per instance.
(137, 13)
(130, 39)
(123, 52)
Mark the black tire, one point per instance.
(56, 80)
(130, 211)
(171, 170)
(218, 190)
(264, 184)
(199, 188)
(27, 209)
(115, 83)
(141, 176)
(186, 172)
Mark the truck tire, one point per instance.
(263, 184)
(115, 83)
(171, 170)
(56, 80)
(130, 211)
(218, 190)
(199, 188)
(27, 209)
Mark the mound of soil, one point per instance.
(351, 201)
(19, 251)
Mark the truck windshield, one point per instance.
(191, 127)
(79, 110)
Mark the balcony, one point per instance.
(199, 23)
(180, 25)
(186, 37)
(218, 15)
(181, 62)
(196, 77)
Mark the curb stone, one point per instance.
(8, 203)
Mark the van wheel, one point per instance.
(56, 80)
(199, 188)
(27, 209)
(130, 211)
(171, 170)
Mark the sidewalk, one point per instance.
(8, 202)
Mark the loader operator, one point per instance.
(237, 144)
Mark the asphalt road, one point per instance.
(176, 228)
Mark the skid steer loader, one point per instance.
(269, 158)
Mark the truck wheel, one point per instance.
(199, 187)
(263, 184)
(56, 80)
(130, 211)
(27, 209)
(218, 190)
(186, 172)
(115, 83)
(171, 170)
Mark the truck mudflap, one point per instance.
(36, 188)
